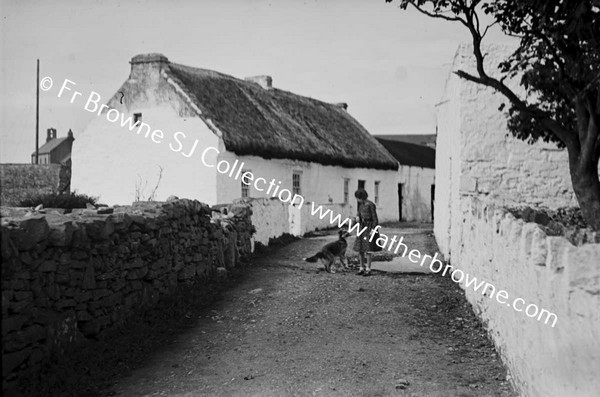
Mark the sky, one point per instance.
(389, 65)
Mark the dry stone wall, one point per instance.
(66, 277)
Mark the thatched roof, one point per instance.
(410, 154)
(272, 123)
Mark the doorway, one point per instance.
(400, 197)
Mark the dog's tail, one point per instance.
(314, 258)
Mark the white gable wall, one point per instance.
(110, 161)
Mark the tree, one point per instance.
(558, 62)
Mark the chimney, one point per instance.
(70, 134)
(51, 134)
(265, 82)
(147, 66)
(342, 105)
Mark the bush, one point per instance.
(56, 200)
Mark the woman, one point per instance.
(367, 218)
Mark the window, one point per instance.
(361, 184)
(296, 182)
(137, 117)
(376, 196)
(346, 190)
(245, 185)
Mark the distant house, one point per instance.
(55, 150)
(201, 118)
(416, 176)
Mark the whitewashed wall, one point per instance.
(416, 202)
(108, 160)
(549, 272)
(319, 183)
(477, 159)
(476, 154)
(269, 218)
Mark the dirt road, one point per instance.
(289, 329)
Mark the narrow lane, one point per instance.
(291, 329)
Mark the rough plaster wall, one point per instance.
(546, 271)
(318, 182)
(446, 159)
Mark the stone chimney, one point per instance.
(147, 66)
(51, 134)
(265, 82)
(342, 105)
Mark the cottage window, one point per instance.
(361, 184)
(137, 117)
(245, 185)
(376, 195)
(296, 182)
(346, 190)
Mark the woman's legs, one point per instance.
(369, 258)
(361, 257)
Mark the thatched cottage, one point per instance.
(191, 121)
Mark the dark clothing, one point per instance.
(367, 218)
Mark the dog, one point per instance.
(330, 251)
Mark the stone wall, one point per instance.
(18, 181)
(68, 277)
(546, 271)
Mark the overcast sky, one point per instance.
(388, 65)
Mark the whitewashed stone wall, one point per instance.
(476, 154)
(481, 168)
(302, 221)
(269, 217)
(549, 272)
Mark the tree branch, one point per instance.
(487, 28)
(561, 133)
(436, 15)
